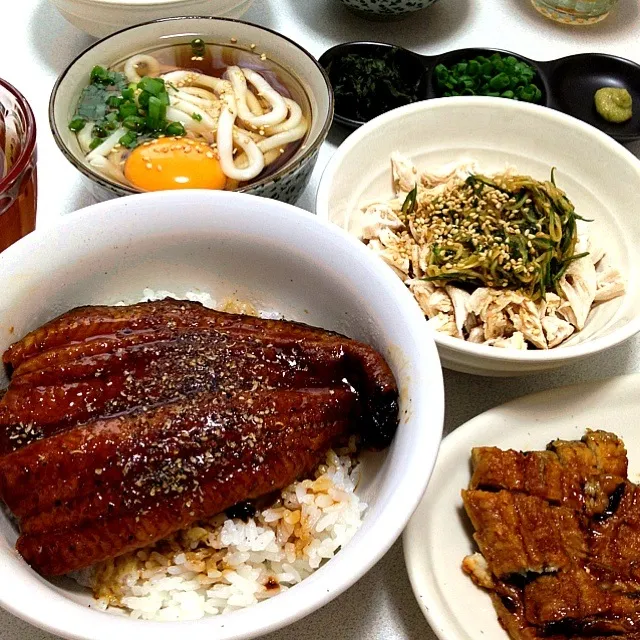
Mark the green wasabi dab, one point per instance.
(614, 104)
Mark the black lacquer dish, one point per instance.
(566, 84)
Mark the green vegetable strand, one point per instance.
(510, 231)
(409, 204)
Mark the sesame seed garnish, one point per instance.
(477, 231)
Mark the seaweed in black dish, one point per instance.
(574, 81)
(369, 79)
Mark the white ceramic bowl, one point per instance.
(101, 17)
(311, 81)
(600, 176)
(280, 258)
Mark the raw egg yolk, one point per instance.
(174, 163)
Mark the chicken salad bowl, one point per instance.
(512, 226)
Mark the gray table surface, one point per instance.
(36, 46)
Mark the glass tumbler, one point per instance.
(17, 166)
(576, 12)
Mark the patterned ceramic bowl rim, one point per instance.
(408, 6)
(296, 161)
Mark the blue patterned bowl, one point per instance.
(285, 184)
(384, 9)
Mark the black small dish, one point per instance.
(575, 79)
(412, 65)
(567, 84)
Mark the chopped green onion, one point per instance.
(127, 109)
(154, 86)
(198, 47)
(99, 131)
(99, 74)
(129, 93)
(197, 117)
(111, 102)
(501, 81)
(156, 114)
(77, 124)
(175, 129)
(133, 123)
(129, 140)
(494, 76)
(96, 142)
(143, 99)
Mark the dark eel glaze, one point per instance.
(122, 425)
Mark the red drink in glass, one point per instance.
(17, 166)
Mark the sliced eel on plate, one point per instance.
(559, 538)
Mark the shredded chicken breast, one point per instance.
(493, 316)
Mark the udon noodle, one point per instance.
(237, 126)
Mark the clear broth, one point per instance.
(213, 61)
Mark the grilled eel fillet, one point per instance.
(559, 536)
(122, 425)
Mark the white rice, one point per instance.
(230, 304)
(195, 295)
(226, 564)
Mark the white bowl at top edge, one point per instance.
(281, 259)
(600, 176)
(286, 183)
(101, 17)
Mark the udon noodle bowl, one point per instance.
(193, 115)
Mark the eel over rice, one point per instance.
(122, 425)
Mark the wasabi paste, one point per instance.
(613, 104)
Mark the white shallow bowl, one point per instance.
(454, 606)
(600, 176)
(101, 17)
(281, 259)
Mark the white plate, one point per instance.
(438, 536)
